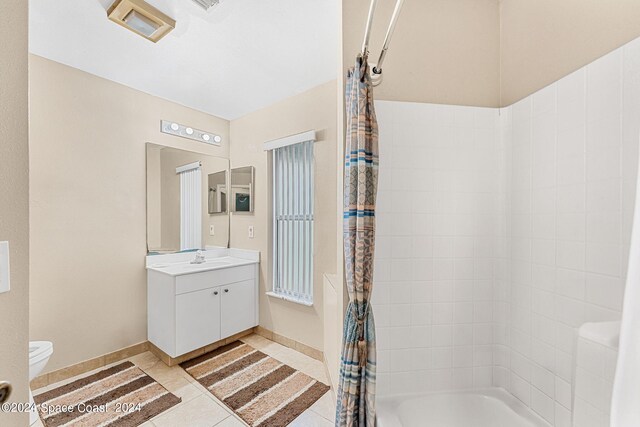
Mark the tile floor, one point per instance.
(199, 408)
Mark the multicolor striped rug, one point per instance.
(260, 389)
(122, 395)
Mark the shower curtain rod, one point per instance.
(377, 69)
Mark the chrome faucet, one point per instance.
(199, 259)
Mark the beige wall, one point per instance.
(314, 109)
(443, 51)
(486, 52)
(14, 202)
(544, 40)
(88, 221)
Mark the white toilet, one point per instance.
(39, 354)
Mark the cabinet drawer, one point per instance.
(209, 279)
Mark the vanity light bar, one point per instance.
(176, 129)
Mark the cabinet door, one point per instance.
(238, 307)
(197, 319)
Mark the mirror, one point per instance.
(242, 184)
(182, 212)
(218, 192)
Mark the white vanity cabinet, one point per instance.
(236, 307)
(192, 309)
(198, 320)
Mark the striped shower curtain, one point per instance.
(357, 384)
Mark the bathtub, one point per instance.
(491, 407)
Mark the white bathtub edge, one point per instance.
(387, 417)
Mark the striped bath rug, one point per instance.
(122, 395)
(261, 390)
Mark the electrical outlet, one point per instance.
(212, 230)
(4, 267)
(251, 231)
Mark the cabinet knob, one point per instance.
(226, 290)
(215, 292)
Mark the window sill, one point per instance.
(290, 299)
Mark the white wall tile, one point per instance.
(604, 258)
(604, 196)
(571, 142)
(399, 293)
(442, 335)
(603, 86)
(401, 246)
(400, 314)
(571, 170)
(543, 354)
(564, 365)
(482, 376)
(583, 163)
(462, 378)
(521, 365)
(570, 254)
(438, 203)
(563, 392)
(463, 335)
(520, 389)
(571, 226)
(604, 163)
(419, 314)
(605, 290)
(571, 198)
(543, 405)
(562, 416)
(570, 283)
(499, 235)
(442, 313)
(544, 380)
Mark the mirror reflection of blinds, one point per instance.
(190, 206)
(293, 221)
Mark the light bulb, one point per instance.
(175, 126)
(206, 137)
(189, 131)
(217, 138)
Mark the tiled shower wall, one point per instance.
(438, 222)
(572, 155)
(502, 231)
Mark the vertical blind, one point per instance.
(293, 221)
(190, 206)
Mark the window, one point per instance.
(293, 220)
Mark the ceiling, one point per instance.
(240, 56)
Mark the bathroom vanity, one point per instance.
(190, 306)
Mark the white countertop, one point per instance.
(185, 267)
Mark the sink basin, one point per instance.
(207, 265)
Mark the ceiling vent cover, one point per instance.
(206, 4)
